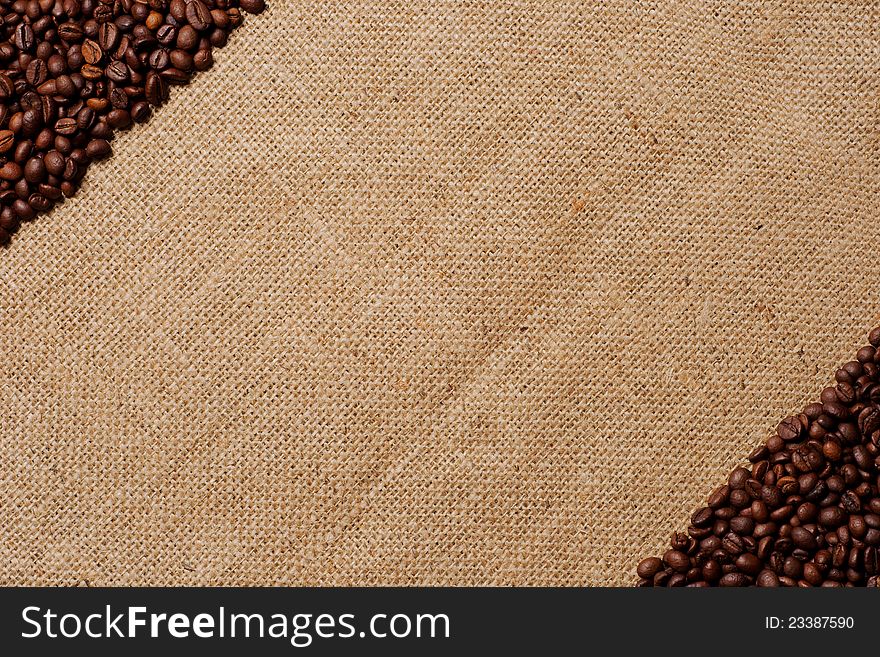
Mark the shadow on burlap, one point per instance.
(440, 293)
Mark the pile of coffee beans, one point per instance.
(806, 512)
(73, 72)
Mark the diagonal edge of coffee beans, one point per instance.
(74, 72)
(807, 511)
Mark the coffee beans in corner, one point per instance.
(805, 511)
(73, 73)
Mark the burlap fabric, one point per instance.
(440, 293)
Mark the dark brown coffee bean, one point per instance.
(857, 526)
(738, 478)
(649, 567)
(91, 52)
(253, 6)
(742, 525)
(177, 9)
(677, 560)
(91, 72)
(98, 149)
(7, 140)
(34, 170)
(831, 517)
(39, 202)
(10, 171)
(767, 578)
(749, 564)
(103, 13)
(198, 15)
(812, 574)
(118, 72)
(54, 163)
(65, 86)
(734, 579)
(37, 72)
(108, 37)
(119, 118)
(175, 76)
(65, 126)
(156, 89)
(24, 38)
(23, 209)
(803, 538)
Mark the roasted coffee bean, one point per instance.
(742, 525)
(24, 38)
(98, 149)
(740, 498)
(734, 579)
(803, 539)
(812, 574)
(767, 578)
(91, 52)
(677, 560)
(117, 72)
(7, 140)
(198, 15)
(35, 170)
(37, 72)
(156, 89)
(702, 517)
(749, 564)
(764, 529)
(649, 567)
(159, 59)
(857, 526)
(65, 126)
(187, 38)
(759, 511)
(256, 7)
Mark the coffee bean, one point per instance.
(118, 72)
(789, 429)
(24, 38)
(91, 72)
(198, 15)
(812, 574)
(742, 525)
(156, 89)
(802, 538)
(734, 579)
(677, 560)
(65, 86)
(7, 140)
(187, 38)
(98, 149)
(702, 517)
(749, 564)
(738, 478)
(258, 6)
(10, 171)
(36, 73)
(34, 170)
(857, 526)
(649, 567)
(66, 126)
(767, 578)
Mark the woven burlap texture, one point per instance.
(436, 292)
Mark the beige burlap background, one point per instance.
(440, 293)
